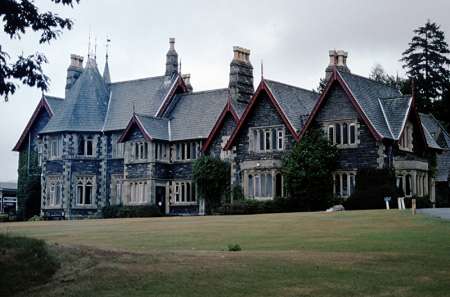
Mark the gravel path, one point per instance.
(443, 213)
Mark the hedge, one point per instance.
(120, 211)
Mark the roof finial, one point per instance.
(89, 45)
(262, 69)
(134, 109)
(108, 40)
(179, 67)
(95, 48)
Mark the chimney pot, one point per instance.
(187, 81)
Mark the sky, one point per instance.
(292, 38)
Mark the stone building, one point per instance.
(133, 142)
(130, 142)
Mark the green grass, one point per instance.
(360, 253)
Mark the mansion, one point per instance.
(133, 142)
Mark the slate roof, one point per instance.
(367, 92)
(296, 103)
(85, 106)
(196, 113)
(157, 128)
(434, 130)
(395, 111)
(56, 103)
(145, 95)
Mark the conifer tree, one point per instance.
(427, 63)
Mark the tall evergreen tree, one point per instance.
(427, 63)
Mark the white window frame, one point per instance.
(265, 134)
(54, 147)
(183, 190)
(333, 138)
(261, 184)
(54, 198)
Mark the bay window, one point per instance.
(260, 185)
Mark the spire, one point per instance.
(106, 75)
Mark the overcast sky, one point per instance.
(291, 37)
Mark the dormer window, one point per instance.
(86, 146)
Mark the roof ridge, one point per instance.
(136, 79)
(205, 91)
(289, 85)
(395, 97)
(369, 79)
(54, 97)
(152, 117)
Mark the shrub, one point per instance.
(256, 207)
(35, 218)
(372, 185)
(4, 217)
(141, 211)
(421, 202)
(24, 262)
(234, 247)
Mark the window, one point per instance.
(342, 134)
(344, 183)
(187, 150)
(161, 151)
(85, 146)
(85, 191)
(184, 192)
(331, 134)
(54, 147)
(40, 157)
(117, 148)
(138, 192)
(266, 139)
(140, 151)
(261, 185)
(54, 196)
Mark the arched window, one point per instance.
(88, 193)
(331, 134)
(80, 197)
(338, 133)
(89, 146)
(352, 133)
(278, 185)
(344, 133)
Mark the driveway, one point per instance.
(443, 213)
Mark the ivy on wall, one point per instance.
(28, 185)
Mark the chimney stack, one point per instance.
(338, 60)
(73, 71)
(241, 75)
(187, 81)
(171, 59)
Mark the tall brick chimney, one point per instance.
(241, 75)
(73, 71)
(171, 59)
(338, 60)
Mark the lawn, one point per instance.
(357, 253)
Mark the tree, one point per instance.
(379, 74)
(427, 63)
(307, 171)
(18, 16)
(212, 177)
